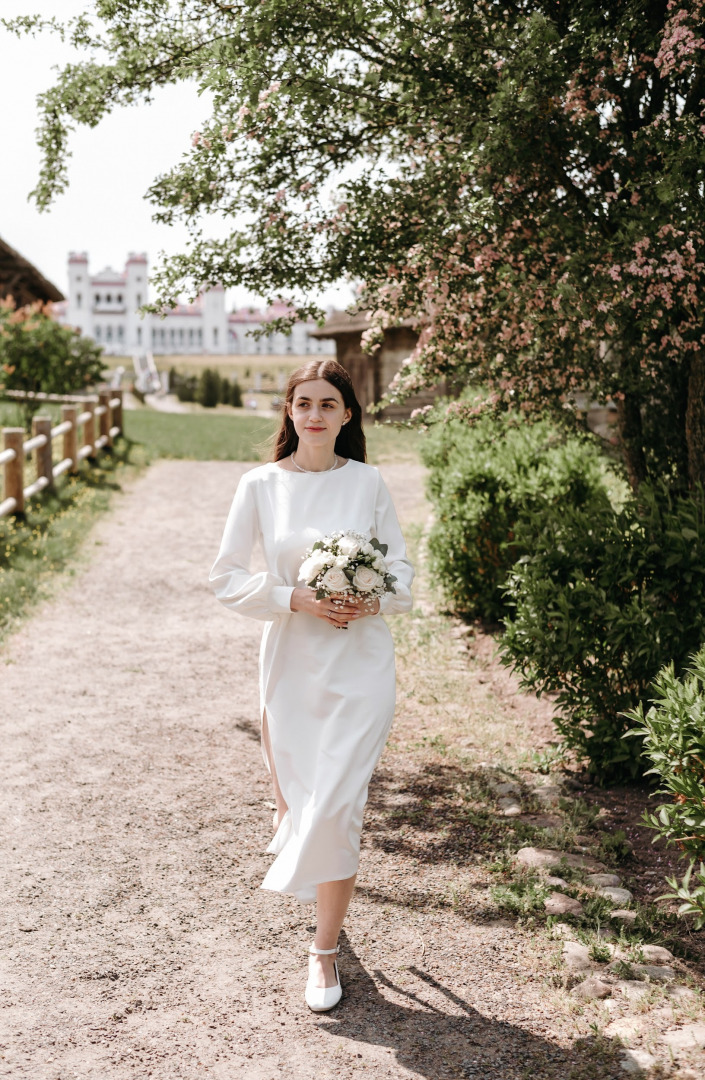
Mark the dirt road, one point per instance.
(135, 817)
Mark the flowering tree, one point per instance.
(523, 180)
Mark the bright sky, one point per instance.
(104, 211)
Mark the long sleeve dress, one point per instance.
(328, 695)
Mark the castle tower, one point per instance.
(78, 311)
(215, 323)
(138, 328)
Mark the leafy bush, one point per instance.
(208, 393)
(37, 354)
(600, 604)
(484, 481)
(673, 740)
(184, 386)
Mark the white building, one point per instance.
(105, 307)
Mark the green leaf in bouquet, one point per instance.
(321, 594)
(318, 545)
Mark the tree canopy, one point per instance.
(524, 180)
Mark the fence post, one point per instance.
(70, 413)
(104, 397)
(89, 431)
(14, 470)
(41, 425)
(117, 412)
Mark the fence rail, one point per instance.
(105, 408)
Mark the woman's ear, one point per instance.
(348, 415)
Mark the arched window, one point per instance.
(119, 333)
(181, 336)
(109, 333)
(139, 299)
(215, 335)
(190, 336)
(139, 335)
(97, 298)
(78, 300)
(96, 333)
(109, 298)
(154, 336)
(200, 336)
(119, 298)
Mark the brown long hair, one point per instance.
(351, 439)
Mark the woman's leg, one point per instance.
(278, 797)
(332, 900)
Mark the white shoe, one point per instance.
(323, 998)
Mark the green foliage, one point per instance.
(601, 602)
(209, 393)
(691, 895)
(235, 395)
(542, 223)
(672, 739)
(522, 896)
(184, 386)
(37, 354)
(34, 549)
(485, 482)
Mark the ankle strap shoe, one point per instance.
(323, 998)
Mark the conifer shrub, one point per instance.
(486, 480)
(601, 599)
(208, 393)
(184, 386)
(235, 394)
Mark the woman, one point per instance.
(327, 698)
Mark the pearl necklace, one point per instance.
(297, 466)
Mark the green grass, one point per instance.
(210, 437)
(199, 436)
(35, 549)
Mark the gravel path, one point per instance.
(135, 940)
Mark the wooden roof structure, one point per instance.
(21, 280)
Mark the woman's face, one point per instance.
(318, 412)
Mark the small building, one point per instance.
(371, 373)
(105, 306)
(22, 281)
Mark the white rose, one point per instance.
(366, 580)
(379, 563)
(349, 546)
(341, 561)
(334, 580)
(367, 549)
(311, 567)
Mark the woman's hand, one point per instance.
(338, 610)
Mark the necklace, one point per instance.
(297, 466)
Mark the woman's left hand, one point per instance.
(362, 607)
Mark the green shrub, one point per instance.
(38, 354)
(672, 734)
(600, 604)
(184, 386)
(484, 480)
(672, 739)
(235, 394)
(208, 393)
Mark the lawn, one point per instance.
(212, 437)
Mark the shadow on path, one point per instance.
(434, 1033)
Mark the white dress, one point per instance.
(328, 694)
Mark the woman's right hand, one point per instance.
(333, 609)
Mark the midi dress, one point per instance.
(328, 694)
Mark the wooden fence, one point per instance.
(105, 408)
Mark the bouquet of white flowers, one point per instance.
(347, 564)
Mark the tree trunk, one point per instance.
(631, 437)
(695, 420)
